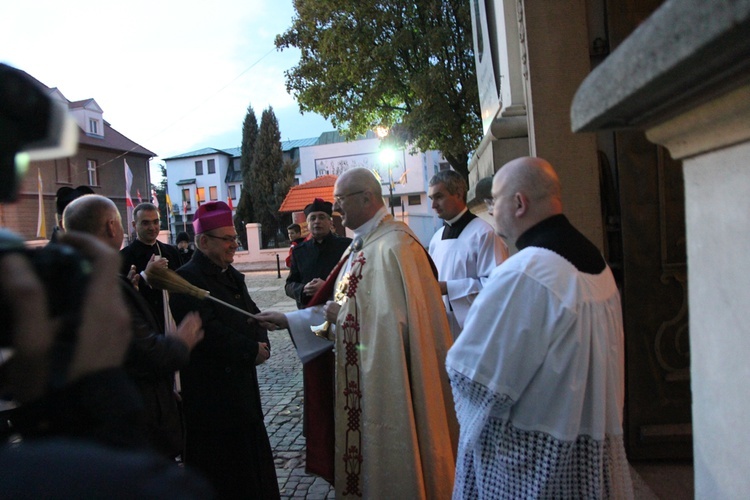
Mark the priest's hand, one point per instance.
(331, 310)
(271, 320)
(263, 353)
(312, 287)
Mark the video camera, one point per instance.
(35, 127)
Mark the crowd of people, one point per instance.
(454, 369)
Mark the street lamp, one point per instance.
(388, 156)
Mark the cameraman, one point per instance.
(79, 418)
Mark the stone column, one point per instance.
(683, 76)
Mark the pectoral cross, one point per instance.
(324, 330)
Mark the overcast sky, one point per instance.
(173, 76)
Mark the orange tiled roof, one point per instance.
(304, 194)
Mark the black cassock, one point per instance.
(226, 438)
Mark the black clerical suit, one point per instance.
(139, 254)
(151, 363)
(226, 437)
(313, 260)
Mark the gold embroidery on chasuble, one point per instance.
(353, 391)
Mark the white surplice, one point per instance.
(465, 263)
(538, 382)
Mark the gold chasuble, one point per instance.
(396, 431)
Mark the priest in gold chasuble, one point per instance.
(395, 427)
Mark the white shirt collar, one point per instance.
(369, 226)
(455, 219)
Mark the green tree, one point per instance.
(265, 174)
(405, 65)
(244, 212)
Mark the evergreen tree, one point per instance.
(245, 213)
(265, 174)
(286, 181)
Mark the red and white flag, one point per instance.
(229, 202)
(138, 195)
(154, 199)
(128, 185)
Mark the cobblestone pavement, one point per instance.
(280, 380)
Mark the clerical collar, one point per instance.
(455, 219)
(457, 225)
(369, 226)
(327, 237)
(558, 235)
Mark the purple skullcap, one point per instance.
(212, 215)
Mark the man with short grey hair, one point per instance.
(465, 250)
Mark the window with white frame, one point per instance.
(213, 193)
(232, 192)
(415, 199)
(211, 164)
(199, 167)
(93, 126)
(200, 195)
(91, 167)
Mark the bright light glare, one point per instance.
(387, 155)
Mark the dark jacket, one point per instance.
(313, 260)
(151, 363)
(225, 434)
(138, 254)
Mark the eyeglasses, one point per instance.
(225, 239)
(339, 198)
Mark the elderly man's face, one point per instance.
(319, 224)
(350, 203)
(219, 245)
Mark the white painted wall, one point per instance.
(184, 168)
(716, 216)
(414, 169)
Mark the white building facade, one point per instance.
(213, 174)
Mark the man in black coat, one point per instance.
(313, 259)
(226, 438)
(145, 250)
(154, 355)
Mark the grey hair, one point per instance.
(454, 182)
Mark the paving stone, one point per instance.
(280, 381)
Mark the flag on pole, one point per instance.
(184, 208)
(41, 226)
(154, 198)
(128, 185)
(169, 204)
(229, 202)
(138, 195)
(128, 201)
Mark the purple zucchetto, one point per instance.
(212, 215)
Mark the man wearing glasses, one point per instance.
(395, 428)
(225, 438)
